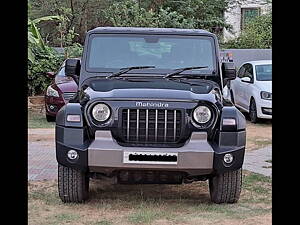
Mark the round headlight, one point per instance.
(101, 112)
(202, 114)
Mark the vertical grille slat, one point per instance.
(151, 125)
(174, 125)
(156, 125)
(137, 125)
(166, 122)
(128, 123)
(147, 124)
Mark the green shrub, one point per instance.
(74, 51)
(257, 34)
(45, 61)
(129, 14)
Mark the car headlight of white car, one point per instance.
(52, 92)
(101, 112)
(266, 95)
(202, 114)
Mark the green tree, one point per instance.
(34, 37)
(257, 34)
(46, 60)
(130, 14)
(208, 14)
(41, 58)
(84, 15)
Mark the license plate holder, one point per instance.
(168, 158)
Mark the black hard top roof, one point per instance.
(149, 30)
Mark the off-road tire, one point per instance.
(50, 118)
(73, 185)
(253, 112)
(226, 187)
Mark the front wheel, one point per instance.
(73, 185)
(226, 187)
(253, 112)
(50, 118)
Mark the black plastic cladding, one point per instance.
(231, 112)
(69, 109)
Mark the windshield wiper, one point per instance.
(180, 70)
(126, 69)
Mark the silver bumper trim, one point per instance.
(105, 152)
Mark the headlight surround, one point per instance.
(202, 114)
(52, 92)
(101, 112)
(266, 95)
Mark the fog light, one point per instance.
(228, 158)
(267, 111)
(72, 154)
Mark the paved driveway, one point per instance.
(257, 161)
(42, 163)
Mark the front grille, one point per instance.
(68, 95)
(151, 125)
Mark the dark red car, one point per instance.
(59, 92)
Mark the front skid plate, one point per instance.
(105, 152)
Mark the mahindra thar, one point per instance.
(150, 110)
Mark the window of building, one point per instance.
(248, 14)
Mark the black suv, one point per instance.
(149, 109)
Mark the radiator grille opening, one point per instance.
(151, 125)
(68, 95)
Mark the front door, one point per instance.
(245, 87)
(236, 86)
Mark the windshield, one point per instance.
(264, 72)
(61, 72)
(165, 52)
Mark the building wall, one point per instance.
(241, 56)
(234, 14)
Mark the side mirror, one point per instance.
(51, 75)
(246, 79)
(228, 71)
(72, 69)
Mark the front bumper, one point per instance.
(264, 109)
(53, 105)
(105, 156)
(196, 157)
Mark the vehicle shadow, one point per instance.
(194, 193)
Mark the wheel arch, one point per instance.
(251, 99)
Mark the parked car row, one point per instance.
(251, 91)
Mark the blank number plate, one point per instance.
(150, 158)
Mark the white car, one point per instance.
(251, 91)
